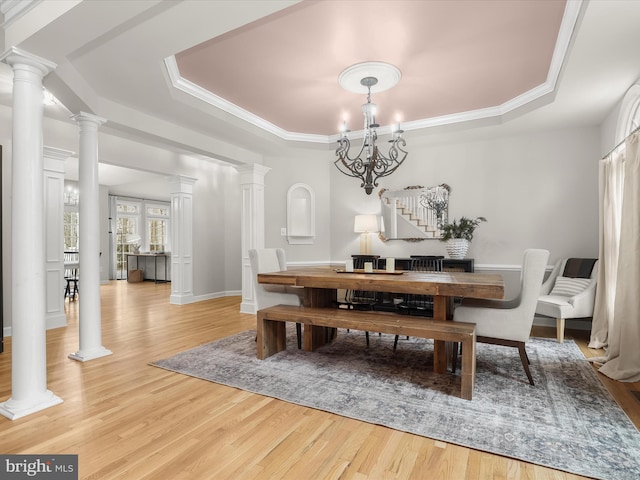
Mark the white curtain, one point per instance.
(611, 180)
(616, 320)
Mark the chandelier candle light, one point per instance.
(370, 164)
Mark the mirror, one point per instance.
(414, 213)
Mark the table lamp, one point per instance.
(134, 239)
(365, 225)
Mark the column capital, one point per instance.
(15, 56)
(252, 173)
(84, 118)
(181, 184)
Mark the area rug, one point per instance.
(567, 421)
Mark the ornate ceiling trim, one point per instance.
(567, 28)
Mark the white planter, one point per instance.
(457, 248)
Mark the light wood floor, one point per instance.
(128, 420)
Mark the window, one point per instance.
(140, 226)
(128, 239)
(71, 243)
(157, 228)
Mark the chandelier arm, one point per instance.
(349, 171)
(351, 167)
(344, 147)
(385, 166)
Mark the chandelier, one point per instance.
(370, 163)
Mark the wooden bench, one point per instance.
(271, 323)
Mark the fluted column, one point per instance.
(29, 391)
(181, 190)
(90, 319)
(252, 225)
(54, 159)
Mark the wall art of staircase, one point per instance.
(414, 213)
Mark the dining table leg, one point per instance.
(315, 336)
(441, 311)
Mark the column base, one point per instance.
(248, 307)
(14, 410)
(84, 356)
(181, 299)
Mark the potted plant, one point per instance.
(458, 234)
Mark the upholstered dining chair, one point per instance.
(569, 291)
(273, 260)
(508, 322)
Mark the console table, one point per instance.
(145, 271)
(448, 264)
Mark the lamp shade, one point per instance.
(365, 223)
(133, 238)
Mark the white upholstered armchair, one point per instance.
(273, 260)
(509, 322)
(569, 291)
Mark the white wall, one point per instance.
(216, 223)
(232, 253)
(216, 210)
(211, 249)
(536, 191)
(299, 165)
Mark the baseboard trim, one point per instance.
(59, 321)
(211, 296)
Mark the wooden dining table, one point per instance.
(321, 284)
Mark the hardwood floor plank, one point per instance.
(129, 420)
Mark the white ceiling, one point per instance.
(117, 63)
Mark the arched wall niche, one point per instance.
(301, 215)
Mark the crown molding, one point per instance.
(565, 34)
(200, 93)
(12, 10)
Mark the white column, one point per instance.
(90, 320)
(29, 392)
(54, 235)
(252, 225)
(181, 190)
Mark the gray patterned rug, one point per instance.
(567, 421)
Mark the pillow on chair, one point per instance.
(579, 267)
(568, 287)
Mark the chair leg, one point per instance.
(395, 342)
(366, 334)
(560, 329)
(524, 358)
(525, 361)
(299, 335)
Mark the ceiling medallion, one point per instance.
(369, 163)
